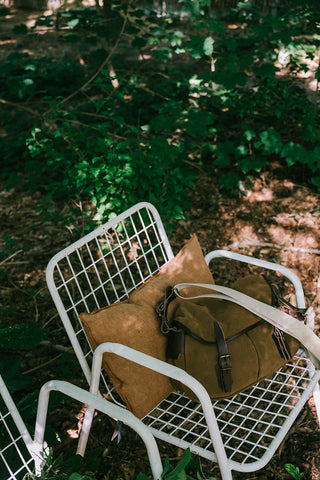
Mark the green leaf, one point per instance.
(198, 122)
(270, 142)
(230, 180)
(139, 42)
(249, 135)
(195, 46)
(241, 150)
(294, 471)
(166, 469)
(28, 82)
(163, 54)
(20, 337)
(252, 164)
(162, 122)
(316, 182)
(179, 472)
(142, 476)
(223, 152)
(230, 78)
(73, 23)
(267, 70)
(176, 39)
(208, 46)
(20, 29)
(14, 379)
(30, 67)
(294, 153)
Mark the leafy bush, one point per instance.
(207, 97)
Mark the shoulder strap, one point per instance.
(276, 317)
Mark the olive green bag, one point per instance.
(222, 344)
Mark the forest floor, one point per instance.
(276, 218)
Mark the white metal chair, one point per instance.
(241, 433)
(20, 454)
(15, 441)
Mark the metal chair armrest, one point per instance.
(264, 264)
(93, 402)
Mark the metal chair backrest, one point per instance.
(104, 267)
(15, 441)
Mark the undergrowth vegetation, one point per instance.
(155, 98)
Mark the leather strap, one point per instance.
(192, 334)
(223, 366)
(286, 306)
(162, 309)
(276, 317)
(167, 327)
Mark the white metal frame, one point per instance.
(15, 441)
(20, 454)
(241, 433)
(98, 403)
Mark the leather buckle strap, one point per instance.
(223, 366)
(162, 309)
(299, 313)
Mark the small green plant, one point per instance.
(58, 469)
(186, 469)
(294, 471)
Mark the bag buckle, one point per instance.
(223, 366)
(224, 362)
(162, 308)
(223, 369)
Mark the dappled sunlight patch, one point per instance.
(263, 195)
(73, 433)
(246, 234)
(286, 219)
(305, 240)
(7, 42)
(280, 235)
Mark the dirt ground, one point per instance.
(276, 218)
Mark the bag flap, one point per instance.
(199, 316)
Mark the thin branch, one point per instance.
(311, 251)
(59, 348)
(21, 107)
(104, 63)
(9, 258)
(52, 360)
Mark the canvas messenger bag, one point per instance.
(226, 338)
(231, 338)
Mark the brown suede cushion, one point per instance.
(134, 323)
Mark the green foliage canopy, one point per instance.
(194, 94)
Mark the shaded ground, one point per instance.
(276, 218)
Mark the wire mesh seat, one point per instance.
(104, 267)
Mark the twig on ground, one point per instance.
(11, 256)
(311, 251)
(59, 348)
(52, 360)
